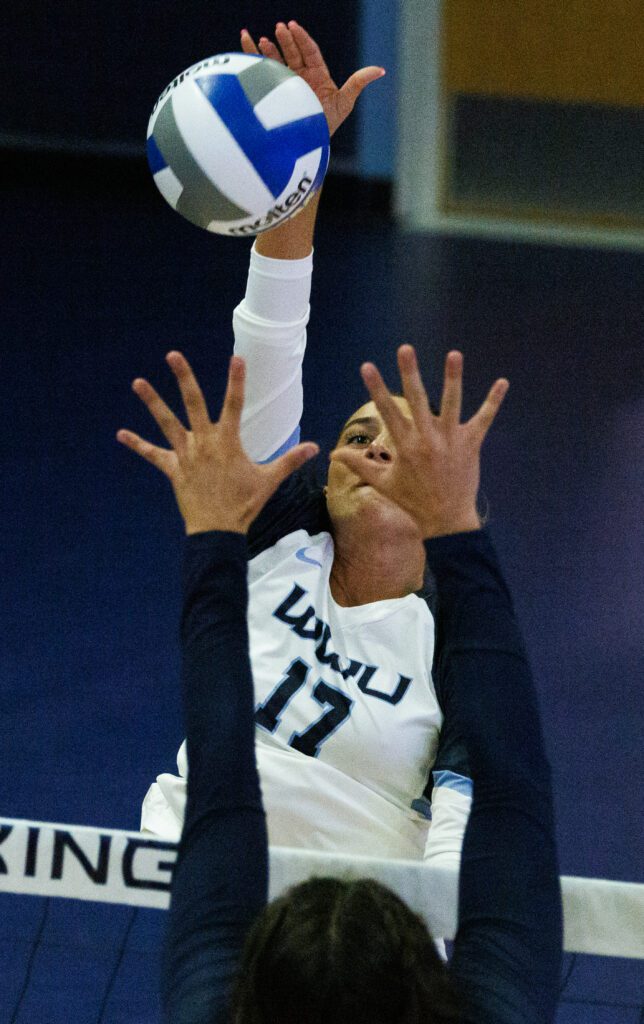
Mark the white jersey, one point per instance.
(349, 687)
(347, 718)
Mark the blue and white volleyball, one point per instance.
(238, 143)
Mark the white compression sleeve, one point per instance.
(270, 333)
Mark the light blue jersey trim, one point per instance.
(450, 780)
(303, 557)
(289, 443)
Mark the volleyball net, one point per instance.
(81, 929)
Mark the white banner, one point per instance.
(107, 865)
(601, 917)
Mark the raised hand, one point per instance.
(435, 469)
(216, 485)
(302, 54)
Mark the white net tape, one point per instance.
(601, 917)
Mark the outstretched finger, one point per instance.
(290, 49)
(452, 397)
(270, 50)
(171, 428)
(358, 81)
(159, 457)
(248, 44)
(397, 423)
(356, 462)
(482, 420)
(413, 387)
(309, 49)
(231, 410)
(293, 459)
(193, 398)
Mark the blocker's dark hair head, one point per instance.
(341, 952)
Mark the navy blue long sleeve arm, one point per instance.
(220, 881)
(508, 949)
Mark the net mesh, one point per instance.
(65, 960)
(87, 948)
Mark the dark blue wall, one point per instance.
(101, 280)
(88, 71)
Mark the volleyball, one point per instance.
(237, 143)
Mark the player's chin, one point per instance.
(369, 498)
(367, 492)
(395, 516)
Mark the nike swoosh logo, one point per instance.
(301, 554)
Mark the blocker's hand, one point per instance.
(435, 469)
(216, 485)
(302, 54)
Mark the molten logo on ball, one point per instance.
(237, 145)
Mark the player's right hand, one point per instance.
(435, 470)
(216, 485)
(302, 55)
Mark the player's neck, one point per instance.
(375, 568)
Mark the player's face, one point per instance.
(349, 496)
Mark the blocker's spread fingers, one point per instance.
(397, 423)
(231, 410)
(159, 457)
(413, 387)
(451, 400)
(171, 428)
(191, 393)
(482, 420)
(356, 462)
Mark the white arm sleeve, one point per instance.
(270, 333)
(450, 813)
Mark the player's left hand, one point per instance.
(434, 470)
(302, 55)
(216, 485)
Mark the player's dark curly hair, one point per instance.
(341, 952)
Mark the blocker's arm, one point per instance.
(508, 948)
